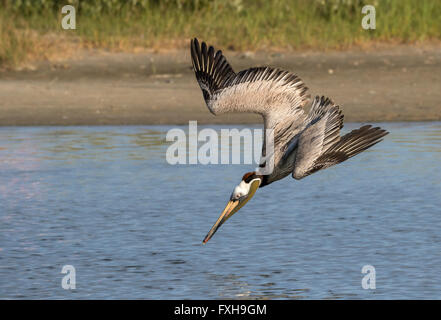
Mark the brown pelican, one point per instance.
(303, 143)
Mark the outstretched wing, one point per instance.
(320, 145)
(273, 93)
(212, 69)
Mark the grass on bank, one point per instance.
(31, 30)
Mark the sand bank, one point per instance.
(390, 84)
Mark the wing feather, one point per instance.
(272, 92)
(278, 95)
(322, 131)
(212, 69)
(312, 157)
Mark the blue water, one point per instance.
(104, 200)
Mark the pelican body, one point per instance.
(304, 143)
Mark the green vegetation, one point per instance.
(31, 29)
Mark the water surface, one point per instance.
(104, 200)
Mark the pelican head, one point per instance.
(242, 193)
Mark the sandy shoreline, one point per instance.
(391, 84)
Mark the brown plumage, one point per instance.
(303, 143)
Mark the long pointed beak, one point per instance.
(228, 212)
(232, 207)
